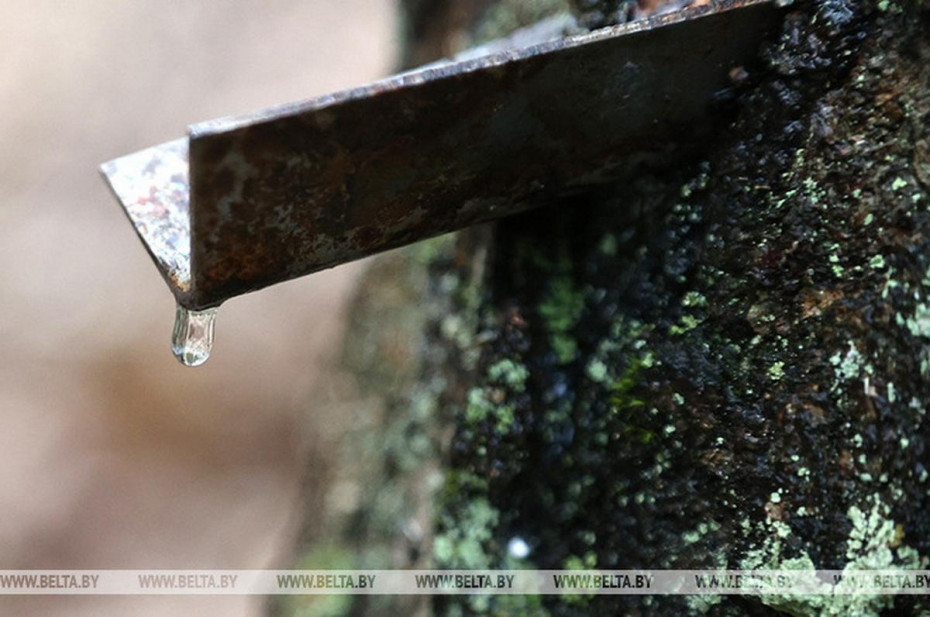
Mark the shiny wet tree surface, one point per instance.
(724, 365)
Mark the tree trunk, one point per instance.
(722, 365)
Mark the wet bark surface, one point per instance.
(722, 365)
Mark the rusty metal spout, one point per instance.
(246, 202)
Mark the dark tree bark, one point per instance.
(722, 365)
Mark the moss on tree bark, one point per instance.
(722, 365)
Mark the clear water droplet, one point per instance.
(193, 335)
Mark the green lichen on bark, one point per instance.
(726, 364)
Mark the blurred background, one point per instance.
(113, 454)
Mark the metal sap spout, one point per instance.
(245, 202)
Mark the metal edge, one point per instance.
(181, 286)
